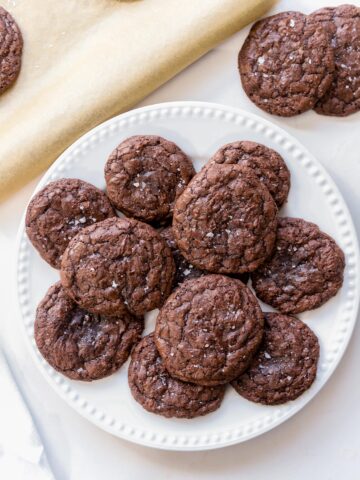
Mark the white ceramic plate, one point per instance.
(199, 129)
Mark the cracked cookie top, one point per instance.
(267, 165)
(306, 269)
(79, 344)
(225, 220)
(208, 330)
(60, 211)
(144, 176)
(343, 25)
(286, 63)
(158, 392)
(284, 366)
(11, 44)
(184, 270)
(117, 265)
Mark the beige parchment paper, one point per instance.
(87, 60)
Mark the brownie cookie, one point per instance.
(343, 25)
(184, 269)
(286, 63)
(285, 365)
(118, 264)
(144, 176)
(225, 221)
(11, 44)
(157, 392)
(208, 330)
(59, 211)
(267, 164)
(306, 269)
(79, 344)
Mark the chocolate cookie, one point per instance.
(79, 344)
(286, 63)
(306, 269)
(225, 220)
(157, 392)
(144, 176)
(118, 264)
(208, 330)
(11, 44)
(184, 269)
(59, 211)
(267, 164)
(285, 365)
(343, 25)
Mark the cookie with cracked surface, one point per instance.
(158, 392)
(225, 220)
(184, 269)
(286, 63)
(144, 176)
(266, 163)
(11, 45)
(208, 330)
(305, 271)
(59, 211)
(117, 265)
(79, 344)
(285, 365)
(343, 25)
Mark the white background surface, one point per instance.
(321, 442)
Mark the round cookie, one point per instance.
(144, 176)
(117, 265)
(11, 44)
(60, 211)
(208, 330)
(79, 344)
(285, 365)
(183, 269)
(153, 387)
(343, 25)
(267, 164)
(286, 63)
(306, 269)
(225, 220)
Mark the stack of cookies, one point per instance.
(185, 243)
(291, 62)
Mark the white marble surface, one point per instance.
(321, 442)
